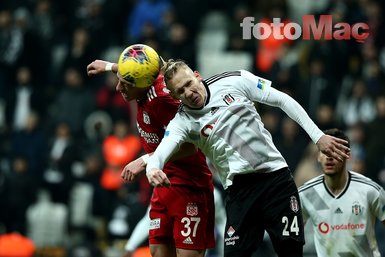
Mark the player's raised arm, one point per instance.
(100, 66)
(331, 146)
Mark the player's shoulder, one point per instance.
(362, 180)
(220, 76)
(311, 183)
(158, 90)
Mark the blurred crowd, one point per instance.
(65, 137)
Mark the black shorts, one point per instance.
(263, 201)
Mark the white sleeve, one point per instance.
(294, 110)
(254, 87)
(379, 205)
(140, 233)
(174, 136)
(162, 153)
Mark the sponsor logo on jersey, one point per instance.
(192, 209)
(150, 138)
(231, 240)
(167, 133)
(188, 241)
(324, 227)
(261, 84)
(338, 211)
(356, 208)
(207, 129)
(228, 99)
(155, 223)
(146, 118)
(294, 206)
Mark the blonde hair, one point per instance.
(170, 67)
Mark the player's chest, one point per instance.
(351, 207)
(220, 106)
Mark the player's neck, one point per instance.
(337, 183)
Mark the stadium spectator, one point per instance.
(62, 153)
(23, 98)
(17, 193)
(73, 102)
(31, 143)
(375, 145)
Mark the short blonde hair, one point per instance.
(170, 67)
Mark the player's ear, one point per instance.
(197, 75)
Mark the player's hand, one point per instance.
(96, 67)
(127, 254)
(334, 147)
(158, 178)
(132, 169)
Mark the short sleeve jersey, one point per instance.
(228, 128)
(153, 115)
(344, 224)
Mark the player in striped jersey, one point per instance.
(218, 115)
(342, 207)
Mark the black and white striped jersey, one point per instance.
(344, 224)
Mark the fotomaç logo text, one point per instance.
(309, 30)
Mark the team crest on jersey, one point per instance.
(192, 209)
(228, 99)
(294, 204)
(356, 208)
(146, 118)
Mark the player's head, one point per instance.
(330, 165)
(129, 91)
(184, 84)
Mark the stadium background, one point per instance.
(64, 137)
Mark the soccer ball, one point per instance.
(139, 64)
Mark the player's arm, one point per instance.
(101, 66)
(134, 168)
(331, 146)
(260, 90)
(380, 206)
(156, 177)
